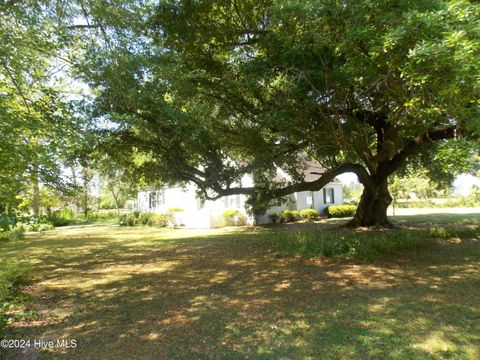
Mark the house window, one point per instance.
(152, 200)
(310, 199)
(328, 196)
(161, 197)
(277, 202)
(156, 198)
(232, 201)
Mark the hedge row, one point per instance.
(147, 219)
(334, 211)
(340, 211)
(294, 215)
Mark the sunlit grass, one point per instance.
(165, 293)
(439, 218)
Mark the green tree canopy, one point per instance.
(207, 91)
(37, 127)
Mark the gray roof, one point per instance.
(313, 171)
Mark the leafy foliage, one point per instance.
(234, 217)
(209, 91)
(6, 222)
(206, 92)
(14, 233)
(309, 214)
(127, 220)
(287, 216)
(62, 217)
(35, 223)
(339, 211)
(274, 217)
(148, 219)
(161, 220)
(37, 124)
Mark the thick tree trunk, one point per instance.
(372, 208)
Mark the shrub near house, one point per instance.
(287, 216)
(333, 211)
(294, 215)
(309, 214)
(147, 219)
(340, 211)
(234, 217)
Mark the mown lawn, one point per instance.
(143, 293)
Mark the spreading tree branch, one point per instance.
(387, 168)
(315, 185)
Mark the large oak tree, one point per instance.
(206, 91)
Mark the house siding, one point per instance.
(196, 214)
(211, 213)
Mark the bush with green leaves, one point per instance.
(35, 223)
(287, 216)
(147, 219)
(144, 218)
(309, 214)
(340, 211)
(234, 217)
(59, 221)
(13, 234)
(94, 216)
(6, 222)
(45, 227)
(274, 217)
(161, 220)
(128, 220)
(62, 217)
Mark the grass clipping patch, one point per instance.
(365, 245)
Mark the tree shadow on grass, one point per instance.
(224, 297)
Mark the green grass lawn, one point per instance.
(144, 293)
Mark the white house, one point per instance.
(209, 214)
